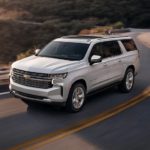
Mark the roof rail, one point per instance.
(82, 36)
(115, 36)
(95, 36)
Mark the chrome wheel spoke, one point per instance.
(129, 80)
(78, 97)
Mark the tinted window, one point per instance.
(129, 45)
(65, 50)
(111, 49)
(97, 50)
(106, 49)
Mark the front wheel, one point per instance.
(127, 84)
(76, 98)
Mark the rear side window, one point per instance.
(129, 45)
(111, 49)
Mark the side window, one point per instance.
(97, 50)
(129, 45)
(110, 49)
(106, 49)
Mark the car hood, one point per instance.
(45, 65)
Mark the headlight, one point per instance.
(58, 76)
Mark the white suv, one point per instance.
(70, 67)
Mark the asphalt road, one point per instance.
(127, 130)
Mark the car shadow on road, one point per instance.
(56, 109)
(43, 119)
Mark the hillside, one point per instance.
(26, 24)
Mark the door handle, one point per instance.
(119, 61)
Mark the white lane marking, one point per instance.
(4, 93)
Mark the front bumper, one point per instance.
(51, 95)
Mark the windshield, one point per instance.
(64, 50)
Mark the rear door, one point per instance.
(112, 54)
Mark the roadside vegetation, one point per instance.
(29, 24)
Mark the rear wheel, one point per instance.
(76, 98)
(128, 81)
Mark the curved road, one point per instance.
(105, 123)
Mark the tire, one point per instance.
(74, 102)
(127, 83)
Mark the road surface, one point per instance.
(109, 121)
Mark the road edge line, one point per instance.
(4, 93)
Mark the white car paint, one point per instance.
(98, 75)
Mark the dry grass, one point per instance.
(144, 38)
(6, 14)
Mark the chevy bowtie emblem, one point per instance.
(27, 76)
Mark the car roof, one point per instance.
(90, 38)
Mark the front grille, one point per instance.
(31, 79)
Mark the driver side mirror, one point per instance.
(95, 59)
(37, 52)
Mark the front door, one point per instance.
(110, 69)
(98, 72)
